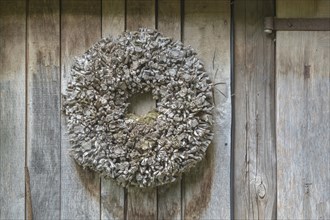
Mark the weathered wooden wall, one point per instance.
(272, 162)
(39, 40)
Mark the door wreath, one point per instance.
(148, 150)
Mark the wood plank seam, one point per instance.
(28, 203)
(60, 72)
(232, 95)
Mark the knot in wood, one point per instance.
(261, 191)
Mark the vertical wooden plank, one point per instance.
(113, 17)
(169, 18)
(302, 125)
(169, 201)
(169, 23)
(112, 195)
(43, 127)
(207, 188)
(241, 177)
(140, 13)
(141, 203)
(12, 108)
(254, 128)
(80, 28)
(302, 117)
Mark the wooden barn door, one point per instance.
(302, 115)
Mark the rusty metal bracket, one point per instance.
(296, 24)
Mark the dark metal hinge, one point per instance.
(296, 24)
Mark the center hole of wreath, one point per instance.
(141, 104)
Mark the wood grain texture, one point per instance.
(302, 9)
(254, 128)
(112, 195)
(207, 187)
(113, 17)
(169, 196)
(169, 18)
(112, 200)
(44, 123)
(140, 13)
(80, 189)
(141, 203)
(12, 108)
(302, 113)
(169, 201)
(302, 118)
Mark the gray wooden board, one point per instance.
(113, 17)
(141, 203)
(112, 195)
(207, 187)
(169, 18)
(302, 115)
(12, 109)
(80, 189)
(303, 124)
(43, 118)
(169, 196)
(254, 128)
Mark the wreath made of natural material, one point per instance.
(147, 150)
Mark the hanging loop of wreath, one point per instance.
(148, 150)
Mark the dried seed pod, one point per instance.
(143, 151)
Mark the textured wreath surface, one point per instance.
(147, 150)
